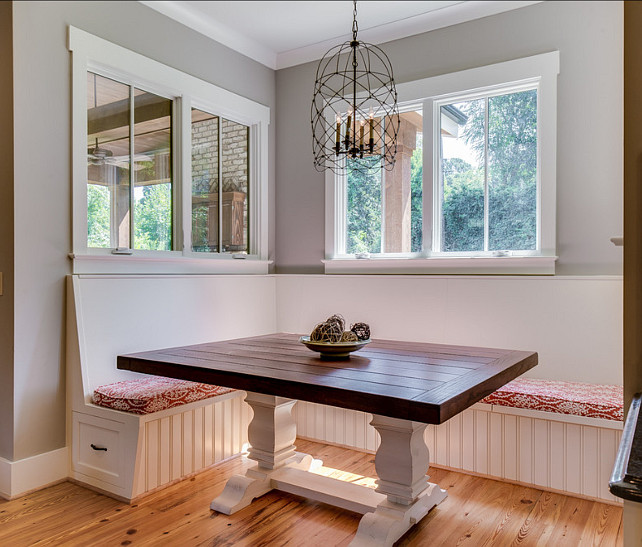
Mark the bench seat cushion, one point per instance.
(579, 399)
(154, 394)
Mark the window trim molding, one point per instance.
(91, 53)
(475, 265)
(160, 262)
(543, 69)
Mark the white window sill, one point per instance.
(157, 264)
(506, 265)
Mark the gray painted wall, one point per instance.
(43, 180)
(589, 168)
(6, 229)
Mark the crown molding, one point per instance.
(410, 26)
(215, 30)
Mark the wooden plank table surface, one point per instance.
(428, 383)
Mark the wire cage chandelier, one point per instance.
(354, 112)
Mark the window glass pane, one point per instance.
(235, 139)
(512, 171)
(461, 174)
(402, 188)
(107, 162)
(363, 222)
(153, 209)
(205, 181)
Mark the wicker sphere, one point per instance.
(362, 330)
(337, 318)
(326, 332)
(349, 336)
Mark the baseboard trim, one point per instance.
(29, 474)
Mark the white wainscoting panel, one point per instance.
(574, 323)
(532, 447)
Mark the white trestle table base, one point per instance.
(403, 495)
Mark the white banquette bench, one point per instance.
(575, 325)
(125, 454)
(554, 435)
(560, 436)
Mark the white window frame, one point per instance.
(539, 71)
(90, 53)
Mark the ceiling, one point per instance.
(283, 34)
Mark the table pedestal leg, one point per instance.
(271, 433)
(401, 463)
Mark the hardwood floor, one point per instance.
(477, 512)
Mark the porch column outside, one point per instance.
(397, 193)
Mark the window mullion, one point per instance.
(427, 212)
(184, 172)
(131, 165)
(342, 208)
(113, 209)
(382, 247)
(486, 230)
(220, 185)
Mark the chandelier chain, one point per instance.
(355, 25)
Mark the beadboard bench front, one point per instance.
(558, 452)
(108, 315)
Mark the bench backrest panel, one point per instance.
(123, 314)
(574, 323)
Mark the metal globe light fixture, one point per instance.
(354, 112)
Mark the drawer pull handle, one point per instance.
(98, 447)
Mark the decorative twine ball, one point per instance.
(349, 336)
(362, 330)
(337, 318)
(326, 332)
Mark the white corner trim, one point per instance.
(243, 43)
(460, 12)
(32, 473)
(527, 265)
(215, 30)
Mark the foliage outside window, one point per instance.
(384, 208)
(487, 166)
(488, 176)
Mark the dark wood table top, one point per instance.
(426, 383)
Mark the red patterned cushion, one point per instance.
(154, 394)
(592, 400)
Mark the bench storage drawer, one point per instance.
(98, 448)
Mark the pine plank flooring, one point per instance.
(477, 512)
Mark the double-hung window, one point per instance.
(473, 186)
(169, 171)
